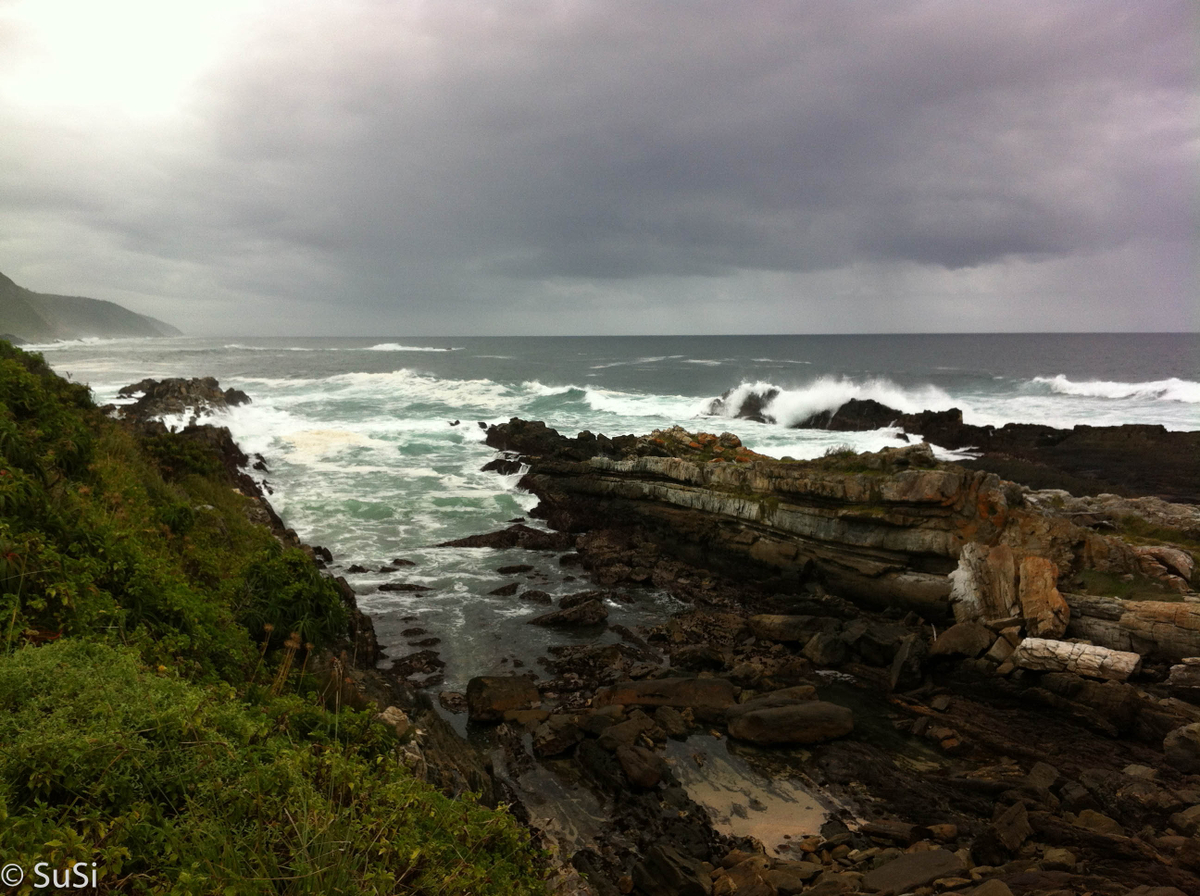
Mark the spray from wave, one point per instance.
(788, 407)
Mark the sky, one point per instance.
(392, 167)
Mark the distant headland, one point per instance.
(27, 316)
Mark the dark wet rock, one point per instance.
(697, 657)
(514, 569)
(913, 870)
(666, 872)
(177, 395)
(517, 536)
(791, 628)
(791, 878)
(356, 568)
(488, 697)
(806, 722)
(503, 466)
(535, 596)
(400, 561)
(556, 735)
(824, 649)
(626, 733)
(506, 590)
(423, 662)
(1182, 748)
(453, 701)
(643, 767)
(566, 602)
(671, 721)
(1000, 841)
(591, 612)
(855, 415)
(404, 587)
(412, 632)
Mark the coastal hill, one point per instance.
(36, 317)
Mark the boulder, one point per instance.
(1182, 748)
(488, 697)
(643, 767)
(783, 697)
(963, 639)
(825, 649)
(808, 722)
(1046, 612)
(912, 870)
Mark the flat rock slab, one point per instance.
(709, 693)
(807, 722)
(912, 870)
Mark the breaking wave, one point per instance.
(1173, 389)
(788, 407)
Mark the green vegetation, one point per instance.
(1137, 530)
(142, 618)
(1127, 587)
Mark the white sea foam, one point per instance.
(790, 406)
(397, 347)
(1173, 389)
(707, 362)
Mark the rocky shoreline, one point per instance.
(879, 681)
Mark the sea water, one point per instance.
(375, 451)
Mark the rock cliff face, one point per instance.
(883, 529)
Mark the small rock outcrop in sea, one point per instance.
(200, 396)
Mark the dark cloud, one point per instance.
(420, 162)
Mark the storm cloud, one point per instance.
(559, 167)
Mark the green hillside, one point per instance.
(159, 713)
(37, 317)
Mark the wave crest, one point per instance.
(1173, 389)
(787, 407)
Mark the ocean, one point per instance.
(364, 460)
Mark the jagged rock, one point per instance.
(489, 696)
(983, 586)
(746, 878)
(626, 733)
(1044, 655)
(643, 767)
(536, 596)
(506, 590)
(808, 722)
(825, 649)
(912, 870)
(178, 395)
(453, 701)
(514, 569)
(591, 612)
(1046, 612)
(963, 639)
